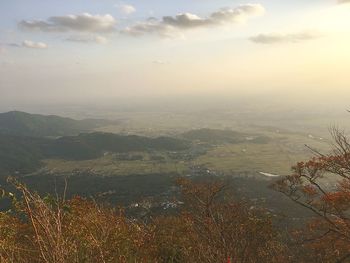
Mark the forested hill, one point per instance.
(35, 125)
(24, 154)
(92, 145)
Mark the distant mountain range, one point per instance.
(36, 125)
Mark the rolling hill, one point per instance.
(24, 154)
(36, 125)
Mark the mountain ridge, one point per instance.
(38, 125)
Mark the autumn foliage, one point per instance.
(322, 186)
(210, 228)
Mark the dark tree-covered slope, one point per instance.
(23, 154)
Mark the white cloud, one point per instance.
(273, 38)
(126, 9)
(169, 25)
(237, 15)
(186, 20)
(31, 44)
(88, 39)
(160, 62)
(151, 27)
(343, 1)
(223, 16)
(83, 22)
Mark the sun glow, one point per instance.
(333, 20)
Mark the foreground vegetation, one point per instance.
(211, 227)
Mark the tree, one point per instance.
(322, 185)
(223, 227)
(55, 230)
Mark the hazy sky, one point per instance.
(94, 50)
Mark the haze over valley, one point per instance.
(162, 131)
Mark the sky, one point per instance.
(58, 51)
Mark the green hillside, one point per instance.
(22, 154)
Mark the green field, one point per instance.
(276, 157)
(110, 165)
